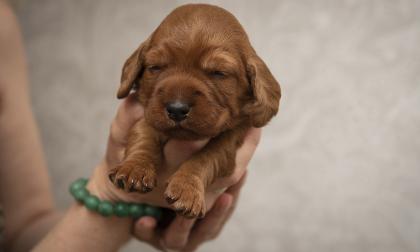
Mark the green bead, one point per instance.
(80, 194)
(153, 211)
(78, 184)
(105, 208)
(92, 202)
(136, 210)
(121, 209)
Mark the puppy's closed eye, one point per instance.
(154, 68)
(217, 74)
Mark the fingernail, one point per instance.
(147, 222)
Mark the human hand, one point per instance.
(186, 234)
(177, 235)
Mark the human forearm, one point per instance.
(24, 186)
(34, 232)
(82, 230)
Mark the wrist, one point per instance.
(84, 230)
(107, 208)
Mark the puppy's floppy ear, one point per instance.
(265, 91)
(132, 68)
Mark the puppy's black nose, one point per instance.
(177, 110)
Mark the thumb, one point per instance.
(128, 113)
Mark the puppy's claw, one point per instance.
(145, 189)
(189, 214)
(132, 187)
(120, 183)
(201, 214)
(111, 177)
(148, 183)
(170, 199)
(142, 188)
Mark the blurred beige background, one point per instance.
(337, 170)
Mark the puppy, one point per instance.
(197, 77)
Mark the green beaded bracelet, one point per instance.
(107, 208)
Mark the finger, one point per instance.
(128, 113)
(234, 191)
(243, 156)
(245, 152)
(209, 227)
(236, 188)
(144, 228)
(176, 235)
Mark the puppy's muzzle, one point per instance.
(177, 110)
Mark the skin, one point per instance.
(31, 217)
(18, 134)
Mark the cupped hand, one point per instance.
(181, 234)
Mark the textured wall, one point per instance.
(337, 170)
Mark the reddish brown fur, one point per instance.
(201, 55)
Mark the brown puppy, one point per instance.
(197, 77)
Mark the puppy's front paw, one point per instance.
(133, 177)
(186, 195)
